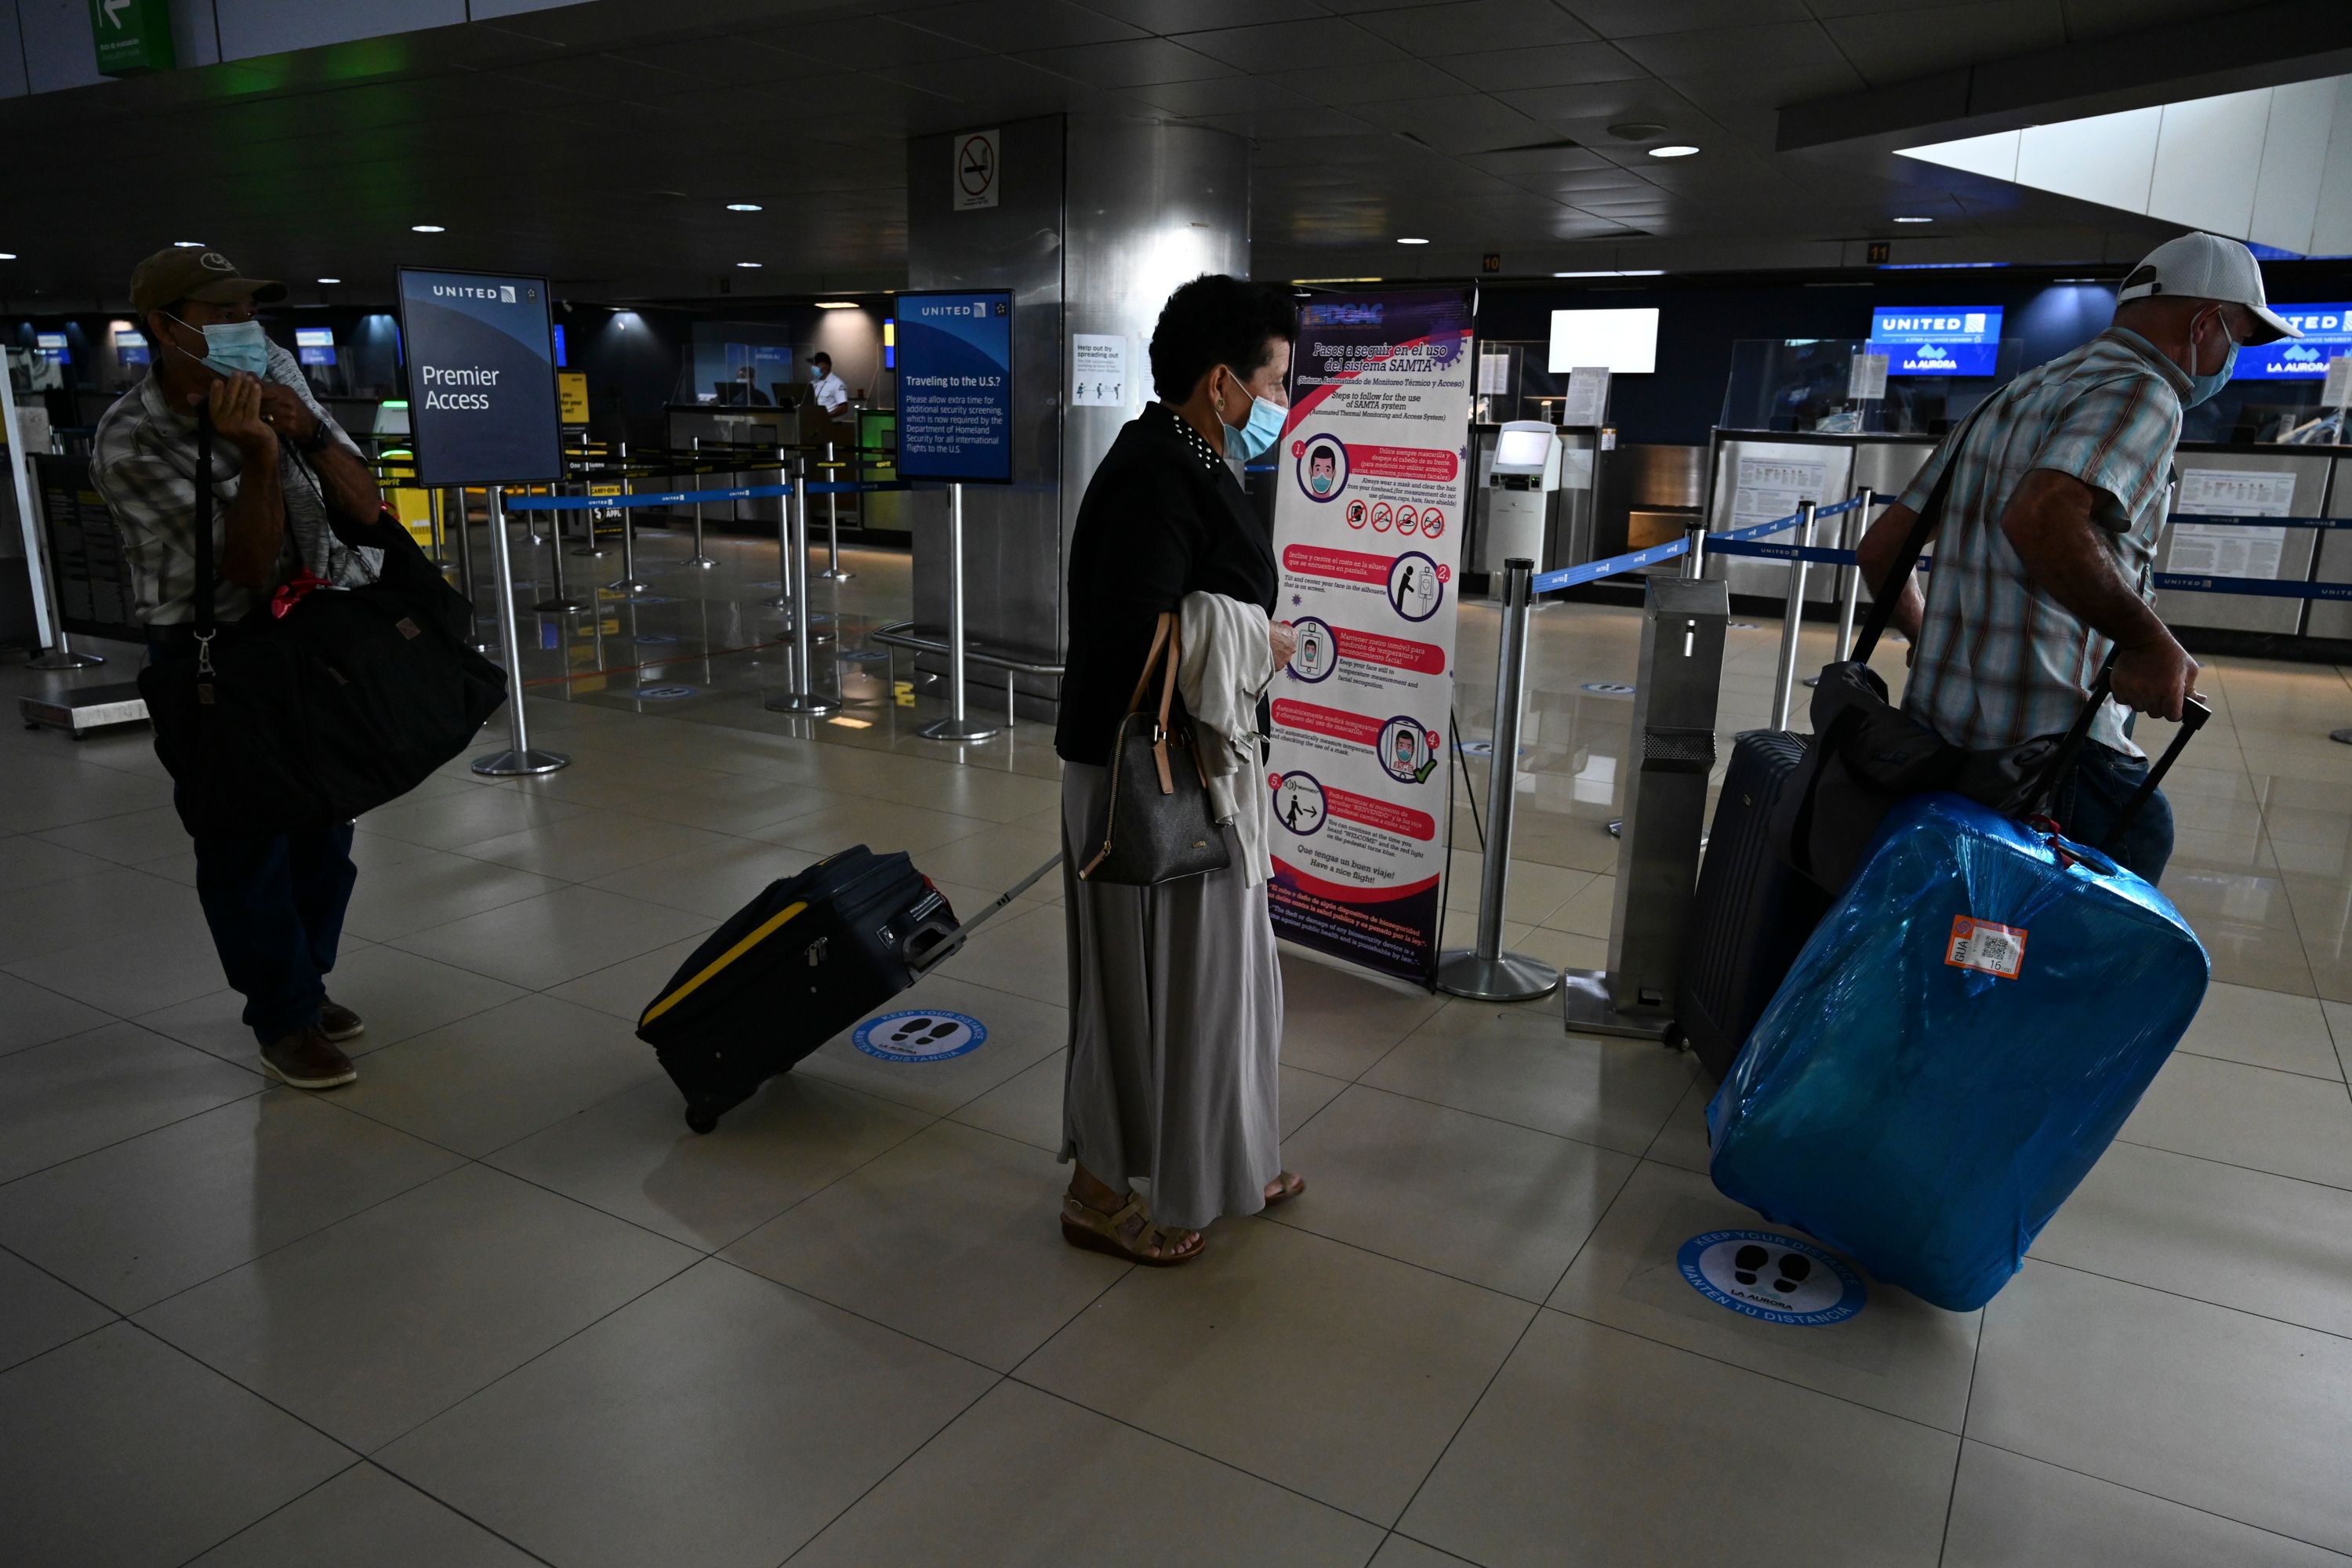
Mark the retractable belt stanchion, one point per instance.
(434, 525)
(798, 471)
(465, 575)
(701, 557)
(1855, 524)
(591, 546)
(805, 698)
(518, 758)
(1486, 973)
(957, 726)
(561, 599)
(833, 572)
(1793, 621)
(1695, 556)
(629, 582)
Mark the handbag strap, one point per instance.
(1160, 632)
(1884, 595)
(203, 586)
(1168, 668)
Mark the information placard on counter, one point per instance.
(955, 386)
(481, 377)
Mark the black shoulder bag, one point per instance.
(349, 702)
(1865, 753)
(1159, 825)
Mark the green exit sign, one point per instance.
(132, 35)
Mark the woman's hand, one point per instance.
(1284, 641)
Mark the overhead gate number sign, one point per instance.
(976, 169)
(481, 378)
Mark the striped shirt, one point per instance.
(2000, 660)
(144, 462)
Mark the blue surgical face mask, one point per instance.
(2202, 388)
(233, 346)
(1258, 433)
(1322, 484)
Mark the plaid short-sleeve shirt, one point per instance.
(144, 462)
(2000, 660)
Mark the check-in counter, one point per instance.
(1756, 476)
(756, 433)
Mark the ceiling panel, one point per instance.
(1166, 16)
(1323, 45)
(1559, 65)
(1138, 63)
(1360, 84)
(1472, 24)
(1011, 26)
(1888, 49)
(1639, 18)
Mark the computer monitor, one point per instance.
(794, 394)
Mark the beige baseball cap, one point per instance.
(182, 273)
(2207, 267)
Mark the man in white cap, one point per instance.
(2045, 551)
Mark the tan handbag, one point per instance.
(1158, 825)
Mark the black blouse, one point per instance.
(1162, 518)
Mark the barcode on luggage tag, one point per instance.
(1998, 949)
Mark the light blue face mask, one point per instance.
(2202, 388)
(1258, 434)
(233, 346)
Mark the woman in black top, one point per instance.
(1176, 997)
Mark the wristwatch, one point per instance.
(318, 440)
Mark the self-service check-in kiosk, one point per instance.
(1519, 475)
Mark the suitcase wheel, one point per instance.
(700, 1117)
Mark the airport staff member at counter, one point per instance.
(2046, 551)
(825, 389)
(280, 468)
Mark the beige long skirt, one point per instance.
(1175, 1030)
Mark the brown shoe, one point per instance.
(338, 1023)
(308, 1059)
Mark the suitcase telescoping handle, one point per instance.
(938, 952)
(2193, 715)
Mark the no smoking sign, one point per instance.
(978, 165)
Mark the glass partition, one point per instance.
(1814, 385)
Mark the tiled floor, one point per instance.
(494, 1305)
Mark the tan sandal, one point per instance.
(1287, 1185)
(1126, 1233)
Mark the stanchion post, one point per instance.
(1486, 973)
(1694, 552)
(805, 698)
(1857, 523)
(440, 533)
(561, 599)
(518, 759)
(465, 575)
(1793, 621)
(794, 471)
(701, 557)
(833, 572)
(956, 726)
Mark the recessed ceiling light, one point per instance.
(1636, 130)
(1618, 272)
(8, 255)
(1413, 242)
(836, 304)
(744, 208)
(1675, 150)
(747, 264)
(1914, 220)
(331, 281)
(187, 244)
(426, 228)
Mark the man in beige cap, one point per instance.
(2046, 553)
(283, 475)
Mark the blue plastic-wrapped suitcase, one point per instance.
(1955, 1047)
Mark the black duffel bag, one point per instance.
(1865, 753)
(351, 699)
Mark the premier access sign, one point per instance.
(480, 349)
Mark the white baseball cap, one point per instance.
(2207, 267)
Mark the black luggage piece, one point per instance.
(1753, 912)
(794, 967)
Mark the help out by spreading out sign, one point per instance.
(481, 353)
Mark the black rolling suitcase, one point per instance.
(795, 966)
(1752, 914)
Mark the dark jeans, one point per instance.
(2089, 802)
(276, 909)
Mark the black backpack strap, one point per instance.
(1884, 595)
